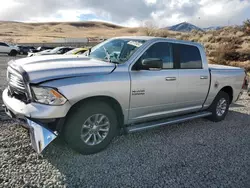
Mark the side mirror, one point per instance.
(152, 63)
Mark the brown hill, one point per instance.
(47, 32)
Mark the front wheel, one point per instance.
(91, 127)
(219, 107)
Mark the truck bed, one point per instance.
(222, 76)
(223, 67)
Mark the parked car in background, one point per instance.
(41, 48)
(9, 49)
(55, 51)
(77, 51)
(146, 83)
(25, 49)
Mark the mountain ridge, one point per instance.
(188, 27)
(184, 27)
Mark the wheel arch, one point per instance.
(13, 52)
(107, 99)
(229, 91)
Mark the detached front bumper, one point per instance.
(40, 134)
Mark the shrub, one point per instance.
(208, 46)
(245, 64)
(149, 28)
(149, 31)
(132, 30)
(162, 33)
(246, 27)
(222, 52)
(184, 37)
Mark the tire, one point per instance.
(215, 109)
(13, 53)
(84, 114)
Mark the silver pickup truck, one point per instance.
(122, 85)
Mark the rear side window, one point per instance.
(190, 57)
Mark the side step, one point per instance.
(163, 122)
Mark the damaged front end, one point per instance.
(40, 136)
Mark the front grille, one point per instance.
(17, 87)
(16, 82)
(13, 92)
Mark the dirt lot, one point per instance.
(197, 153)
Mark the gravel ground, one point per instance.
(197, 153)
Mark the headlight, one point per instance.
(48, 95)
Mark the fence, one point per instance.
(55, 44)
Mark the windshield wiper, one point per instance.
(107, 54)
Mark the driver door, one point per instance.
(153, 92)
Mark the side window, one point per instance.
(60, 51)
(161, 50)
(190, 57)
(3, 44)
(65, 50)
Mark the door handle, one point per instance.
(170, 78)
(204, 77)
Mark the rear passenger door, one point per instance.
(193, 83)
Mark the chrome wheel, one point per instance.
(221, 107)
(95, 129)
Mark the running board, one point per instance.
(163, 122)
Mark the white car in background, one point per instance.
(55, 51)
(8, 49)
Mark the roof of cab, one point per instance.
(159, 38)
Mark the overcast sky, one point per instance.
(202, 13)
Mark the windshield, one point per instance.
(72, 51)
(116, 50)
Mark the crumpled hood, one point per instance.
(44, 68)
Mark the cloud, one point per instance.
(129, 12)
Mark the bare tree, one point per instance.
(149, 28)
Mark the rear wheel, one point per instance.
(91, 127)
(219, 107)
(13, 53)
